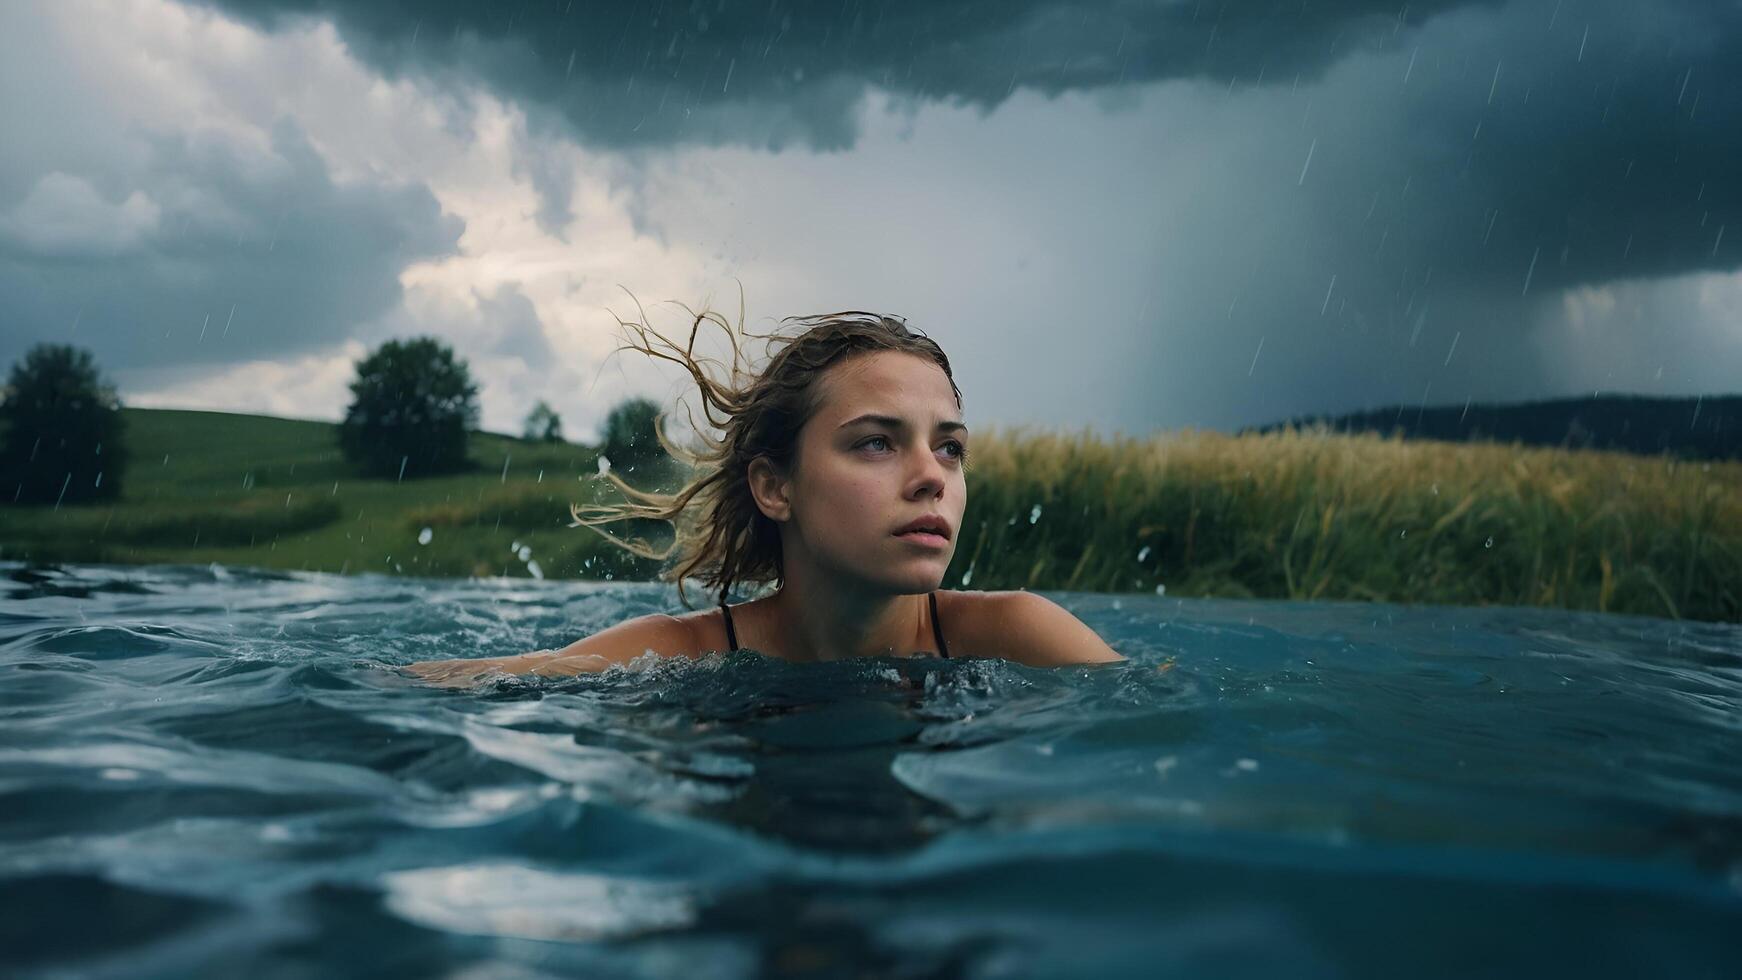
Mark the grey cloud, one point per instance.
(1522, 156)
(1599, 138)
(549, 173)
(1396, 236)
(510, 317)
(65, 216)
(1528, 157)
(629, 73)
(245, 258)
(503, 324)
(1392, 199)
(1361, 243)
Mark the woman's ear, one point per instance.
(771, 488)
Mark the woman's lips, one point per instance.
(925, 539)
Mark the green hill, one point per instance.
(255, 490)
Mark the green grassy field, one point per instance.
(251, 490)
(1283, 515)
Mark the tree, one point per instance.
(543, 424)
(62, 441)
(413, 405)
(630, 436)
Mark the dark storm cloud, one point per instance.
(1598, 138)
(1451, 188)
(1579, 146)
(789, 73)
(636, 72)
(231, 259)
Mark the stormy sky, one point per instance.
(1116, 215)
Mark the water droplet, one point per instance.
(1490, 543)
(1143, 553)
(525, 552)
(537, 572)
(1034, 515)
(424, 536)
(1160, 589)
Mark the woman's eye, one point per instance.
(961, 451)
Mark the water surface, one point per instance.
(218, 771)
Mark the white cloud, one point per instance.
(310, 387)
(1673, 336)
(154, 218)
(65, 216)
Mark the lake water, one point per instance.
(209, 771)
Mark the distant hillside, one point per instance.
(254, 490)
(1694, 428)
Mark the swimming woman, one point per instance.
(840, 480)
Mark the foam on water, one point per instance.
(227, 762)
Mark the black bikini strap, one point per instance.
(731, 634)
(937, 627)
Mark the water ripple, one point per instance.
(230, 762)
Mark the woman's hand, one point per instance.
(453, 673)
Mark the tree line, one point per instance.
(1689, 427)
(413, 409)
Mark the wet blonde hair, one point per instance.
(722, 538)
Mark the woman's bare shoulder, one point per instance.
(659, 633)
(704, 630)
(1022, 626)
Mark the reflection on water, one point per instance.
(217, 770)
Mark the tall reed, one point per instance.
(1315, 515)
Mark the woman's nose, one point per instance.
(930, 479)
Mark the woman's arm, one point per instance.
(658, 634)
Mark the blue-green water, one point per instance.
(218, 772)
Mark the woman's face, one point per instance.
(884, 448)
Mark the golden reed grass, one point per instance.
(1315, 515)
